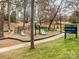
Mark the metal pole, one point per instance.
(8, 15)
(32, 18)
(2, 18)
(24, 21)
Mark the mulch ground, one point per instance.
(21, 39)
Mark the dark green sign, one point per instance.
(71, 28)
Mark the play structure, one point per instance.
(17, 30)
(41, 28)
(14, 23)
(71, 29)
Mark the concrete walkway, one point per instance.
(6, 49)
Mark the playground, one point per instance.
(13, 38)
(18, 25)
(54, 24)
(16, 28)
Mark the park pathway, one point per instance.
(6, 49)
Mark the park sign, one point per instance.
(71, 29)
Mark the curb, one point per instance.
(6, 49)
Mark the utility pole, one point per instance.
(32, 19)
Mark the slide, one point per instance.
(42, 30)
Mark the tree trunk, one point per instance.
(32, 18)
(60, 24)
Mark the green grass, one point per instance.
(57, 49)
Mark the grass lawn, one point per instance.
(57, 49)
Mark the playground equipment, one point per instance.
(71, 28)
(41, 28)
(18, 30)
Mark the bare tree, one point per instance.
(55, 14)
